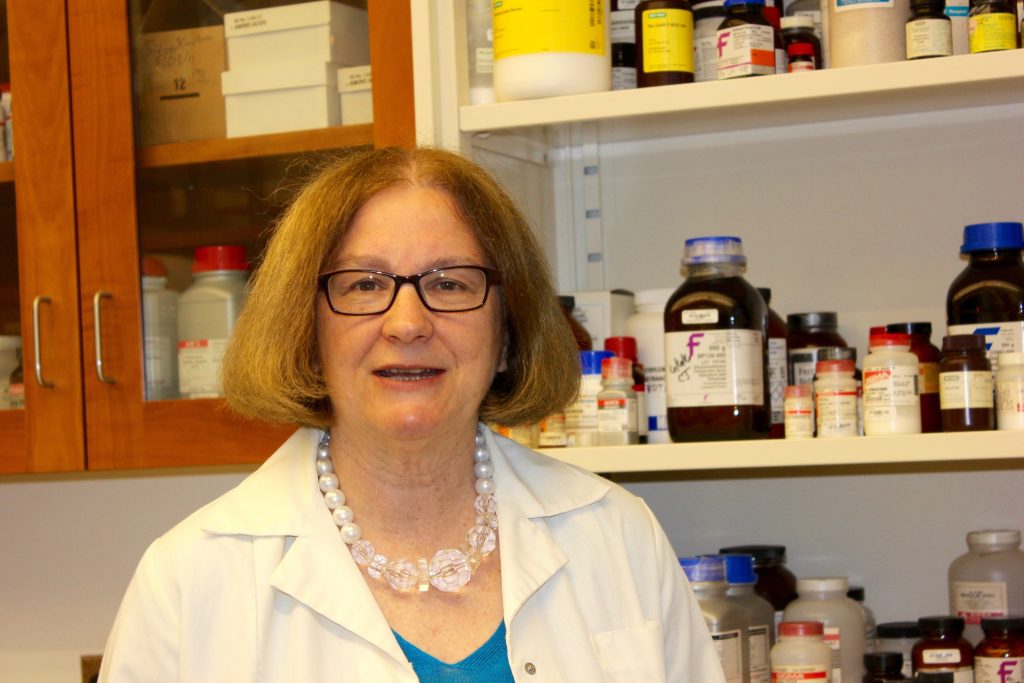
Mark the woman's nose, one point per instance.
(408, 318)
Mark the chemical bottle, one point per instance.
(544, 49)
(928, 371)
(942, 647)
(10, 358)
(739, 572)
(965, 385)
(647, 326)
(882, 667)
(716, 328)
(747, 42)
(999, 657)
(892, 404)
(777, 364)
(551, 432)
(812, 10)
(775, 583)
(726, 621)
(623, 32)
(664, 43)
(800, 57)
(581, 414)
(987, 297)
(1010, 392)
(808, 332)
(835, 399)
(899, 636)
(774, 16)
(616, 404)
(801, 653)
(992, 26)
(798, 409)
(824, 599)
(159, 331)
(856, 593)
(207, 311)
(707, 15)
(625, 347)
(929, 30)
(850, 354)
(480, 49)
(861, 33)
(987, 580)
(16, 384)
(800, 30)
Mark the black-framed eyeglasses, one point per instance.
(452, 289)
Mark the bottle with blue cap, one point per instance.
(748, 45)
(716, 343)
(739, 573)
(987, 297)
(727, 621)
(581, 426)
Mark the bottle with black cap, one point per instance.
(899, 636)
(808, 332)
(880, 667)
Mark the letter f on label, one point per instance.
(1006, 671)
(694, 342)
(723, 40)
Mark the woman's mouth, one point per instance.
(407, 374)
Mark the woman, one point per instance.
(298, 573)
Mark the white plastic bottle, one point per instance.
(159, 332)
(824, 599)
(647, 326)
(798, 412)
(544, 49)
(480, 49)
(207, 311)
(892, 398)
(616, 404)
(987, 580)
(835, 398)
(726, 621)
(1010, 392)
(801, 653)
(739, 572)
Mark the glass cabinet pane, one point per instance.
(10, 314)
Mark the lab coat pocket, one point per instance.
(631, 655)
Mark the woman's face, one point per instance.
(409, 372)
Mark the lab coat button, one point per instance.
(530, 668)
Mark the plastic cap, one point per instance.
(153, 267)
(590, 361)
(821, 584)
(739, 569)
(797, 391)
(925, 676)
(621, 346)
(993, 537)
(734, 3)
(653, 297)
(703, 568)
(713, 249)
(800, 49)
(910, 328)
(220, 257)
(799, 21)
(1002, 624)
(890, 662)
(801, 628)
(875, 330)
(837, 353)
(812, 321)
(963, 342)
(856, 593)
(763, 554)
(899, 630)
(766, 294)
(1011, 358)
(847, 367)
(986, 236)
(617, 367)
(887, 339)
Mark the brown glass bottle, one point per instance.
(808, 332)
(579, 333)
(942, 646)
(928, 379)
(664, 43)
(716, 342)
(881, 667)
(1000, 655)
(965, 385)
(775, 583)
(777, 364)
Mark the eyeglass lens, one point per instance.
(449, 289)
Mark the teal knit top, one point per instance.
(489, 664)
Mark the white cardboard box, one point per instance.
(284, 97)
(321, 31)
(355, 90)
(603, 312)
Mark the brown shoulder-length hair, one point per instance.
(271, 371)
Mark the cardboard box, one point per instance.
(603, 312)
(178, 92)
(321, 31)
(285, 97)
(355, 93)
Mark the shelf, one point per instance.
(6, 171)
(257, 146)
(829, 95)
(778, 454)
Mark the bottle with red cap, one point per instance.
(892, 397)
(625, 347)
(801, 653)
(616, 404)
(207, 311)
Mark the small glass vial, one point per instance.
(929, 30)
(801, 57)
(999, 657)
(965, 384)
(881, 667)
(899, 636)
(798, 410)
(942, 647)
(664, 43)
(992, 26)
(616, 404)
(801, 653)
(1010, 392)
(892, 403)
(835, 398)
(799, 30)
(746, 41)
(727, 621)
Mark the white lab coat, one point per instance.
(258, 586)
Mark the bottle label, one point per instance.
(781, 62)
(728, 645)
(929, 38)
(552, 431)
(760, 669)
(485, 60)
(803, 371)
(847, 5)
(705, 50)
(654, 381)
(959, 390)
(616, 415)
(795, 67)
(623, 77)
(987, 32)
(973, 600)
(623, 26)
(199, 367)
(999, 670)
(799, 419)
(799, 672)
(929, 373)
(1010, 404)
(943, 656)
(700, 316)
(714, 368)
(522, 27)
(832, 640)
(999, 337)
(836, 412)
(581, 414)
(777, 378)
(746, 50)
(667, 36)
(813, 14)
(887, 389)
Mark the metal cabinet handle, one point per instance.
(98, 334)
(35, 340)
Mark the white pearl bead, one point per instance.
(323, 451)
(328, 481)
(334, 498)
(324, 466)
(481, 440)
(342, 515)
(484, 469)
(481, 455)
(484, 486)
(350, 533)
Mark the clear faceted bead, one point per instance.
(482, 539)
(377, 566)
(449, 570)
(401, 575)
(486, 504)
(363, 552)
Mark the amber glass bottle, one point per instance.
(664, 43)
(942, 647)
(778, 367)
(1001, 654)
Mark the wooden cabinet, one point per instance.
(90, 201)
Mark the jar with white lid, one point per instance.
(1010, 392)
(987, 580)
(892, 398)
(824, 599)
(647, 326)
(801, 653)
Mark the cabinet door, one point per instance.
(37, 194)
(165, 200)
